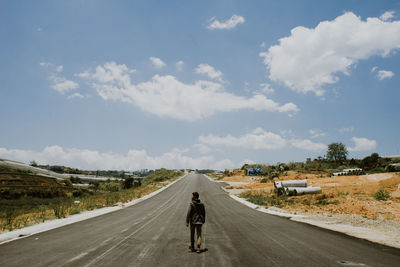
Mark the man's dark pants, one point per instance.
(197, 228)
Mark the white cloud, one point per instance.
(266, 88)
(307, 145)
(157, 63)
(45, 64)
(346, 129)
(263, 44)
(202, 148)
(75, 95)
(179, 65)
(39, 29)
(385, 74)
(362, 144)
(210, 71)
(92, 159)
(387, 15)
(59, 83)
(62, 85)
(231, 23)
(166, 96)
(257, 139)
(260, 139)
(246, 161)
(84, 74)
(374, 68)
(315, 133)
(309, 59)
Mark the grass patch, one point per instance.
(24, 211)
(382, 194)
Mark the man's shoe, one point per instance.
(198, 250)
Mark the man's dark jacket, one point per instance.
(196, 212)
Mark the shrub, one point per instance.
(382, 194)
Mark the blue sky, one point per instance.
(197, 84)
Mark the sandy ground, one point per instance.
(352, 207)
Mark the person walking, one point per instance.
(195, 218)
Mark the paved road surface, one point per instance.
(153, 233)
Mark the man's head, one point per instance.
(195, 195)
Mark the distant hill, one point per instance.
(19, 180)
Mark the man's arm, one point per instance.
(189, 215)
(204, 213)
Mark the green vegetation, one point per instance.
(161, 175)
(337, 152)
(382, 194)
(336, 162)
(265, 199)
(28, 199)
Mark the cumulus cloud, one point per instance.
(388, 15)
(310, 59)
(166, 96)
(307, 145)
(157, 63)
(179, 65)
(210, 71)
(384, 74)
(93, 160)
(257, 139)
(231, 23)
(362, 144)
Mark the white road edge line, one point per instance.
(53, 224)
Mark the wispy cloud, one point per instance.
(231, 23)
(76, 95)
(179, 65)
(388, 15)
(346, 129)
(316, 133)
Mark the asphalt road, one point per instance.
(153, 233)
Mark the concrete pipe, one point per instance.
(296, 191)
(294, 183)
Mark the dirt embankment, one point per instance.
(340, 195)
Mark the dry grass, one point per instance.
(19, 217)
(341, 195)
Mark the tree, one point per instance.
(370, 162)
(33, 163)
(337, 152)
